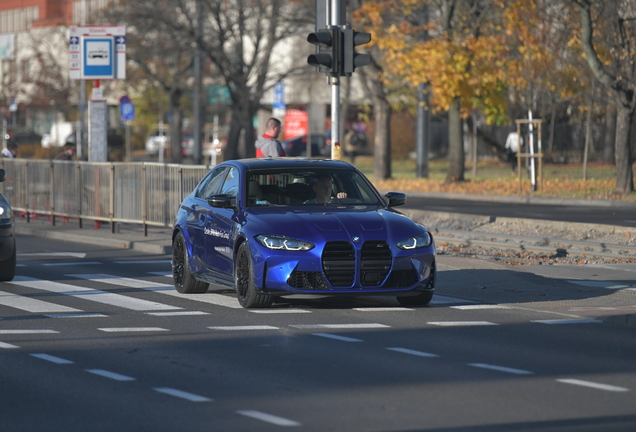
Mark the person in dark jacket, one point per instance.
(68, 151)
(267, 145)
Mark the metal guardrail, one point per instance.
(138, 192)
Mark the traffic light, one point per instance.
(351, 60)
(328, 50)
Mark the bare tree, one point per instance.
(617, 18)
(243, 41)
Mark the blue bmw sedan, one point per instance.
(271, 227)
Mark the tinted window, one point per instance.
(212, 183)
(298, 187)
(231, 183)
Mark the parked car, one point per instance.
(156, 140)
(255, 225)
(7, 237)
(298, 146)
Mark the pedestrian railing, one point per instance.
(137, 192)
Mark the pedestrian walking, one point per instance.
(267, 144)
(513, 144)
(68, 151)
(10, 152)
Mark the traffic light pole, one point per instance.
(334, 81)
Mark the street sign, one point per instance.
(127, 111)
(97, 52)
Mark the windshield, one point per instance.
(309, 187)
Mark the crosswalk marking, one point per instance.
(339, 326)
(111, 375)
(92, 294)
(32, 305)
(337, 337)
(501, 368)
(77, 315)
(215, 299)
(461, 323)
(569, 321)
(72, 263)
(182, 394)
(593, 385)
(268, 418)
(53, 359)
(7, 345)
(413, 352)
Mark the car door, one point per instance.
(199, 211)
(219, 229)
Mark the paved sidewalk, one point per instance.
(126, 236)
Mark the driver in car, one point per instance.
(323, 191)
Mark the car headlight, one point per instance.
(4, 211)
(421, 240)
(284, 243)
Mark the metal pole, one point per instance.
(335, 14)
(197, 153)
(82, 121)
(533, 178)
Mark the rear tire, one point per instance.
(246, 292)
(7, 267)
(184, 282)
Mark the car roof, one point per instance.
(289, 162)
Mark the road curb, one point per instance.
(160, 249)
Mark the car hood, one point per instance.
(327, 225)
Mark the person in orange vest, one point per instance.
(267, 145)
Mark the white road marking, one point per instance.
(339, 326)
(54, 254)
(52, 359)
(111, 375)
(278, 311)
(144, 262)
(90, 294)
(131, 329)
(215, 299)
(501, 368)
(461, 323)
(479, 306)
(167, 274)
(32, 305)
(72, 263)
(593, 385)
(569, 321)
(181, 394)
(438, 299)
(7, 345)
(243, 328)
(337, 337)
(382, 309)
(413, 352)
(268, 418)
(602, 284)
(77, 315)
(28, 331)
(177, 313)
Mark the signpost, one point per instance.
(127, 114)
(97, 53)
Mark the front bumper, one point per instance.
(397, 273)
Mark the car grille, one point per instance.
(339, 263)
(401, 279)
(375, 263)
(307, 280)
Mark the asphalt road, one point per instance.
(93, 338)
(621, 216)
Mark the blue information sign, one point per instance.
(99, 57)
(127, 111)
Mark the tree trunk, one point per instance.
(610, 135)
(382, 117)
(175, 127)
(455, 144)
(624, 173)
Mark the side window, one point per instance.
(212, 183)
(231, 183)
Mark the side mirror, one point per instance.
(222, 201)
(3, 175)
(395, 198)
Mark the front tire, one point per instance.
(7, 267)
(246, 292)
(184, 282)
